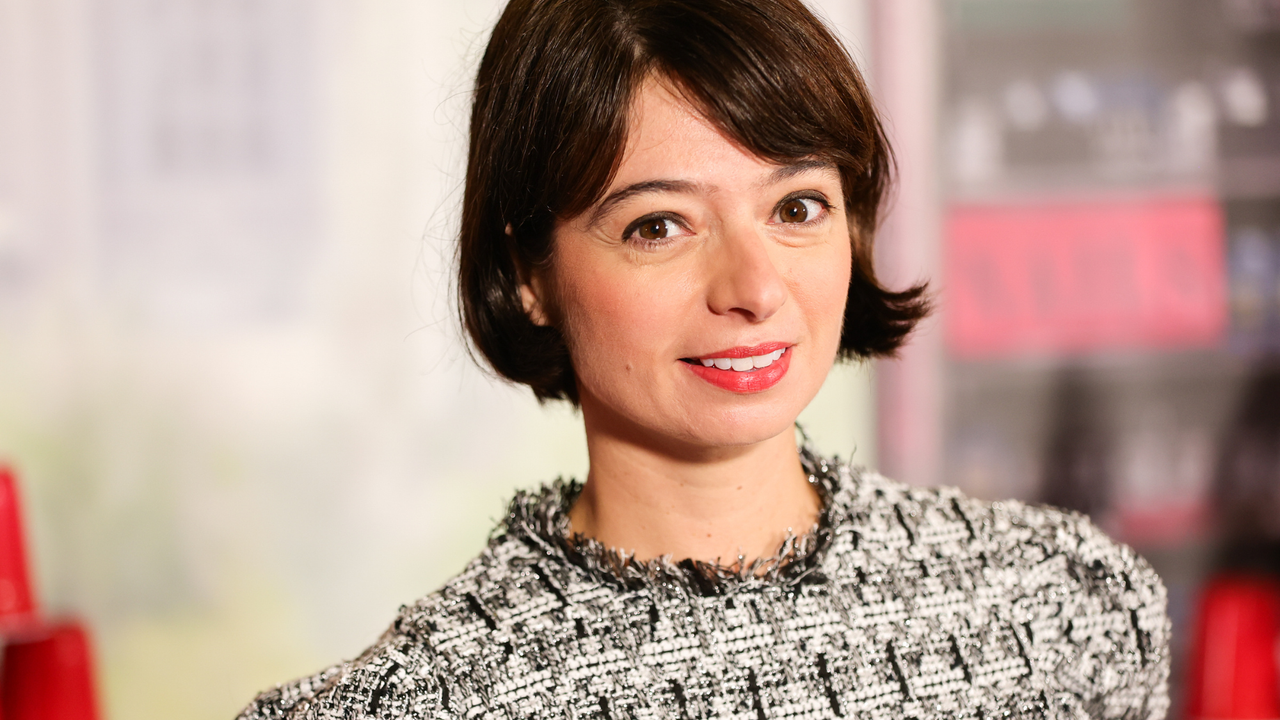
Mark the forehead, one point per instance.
(668, 138)
(658, 114)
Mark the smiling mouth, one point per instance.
(743, 370)
(738, 364)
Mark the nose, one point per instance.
(744, 279)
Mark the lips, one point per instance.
(742, 364)
(744, 369)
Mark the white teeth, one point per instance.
(744, 364)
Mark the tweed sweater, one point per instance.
(901, 603)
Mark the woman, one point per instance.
(667, 220)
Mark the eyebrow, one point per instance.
(798, 167)
(779, 174)
(640, 188)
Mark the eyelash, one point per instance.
(627, 235)
(642, 221)
(806, 195)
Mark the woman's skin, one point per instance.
(699, 250)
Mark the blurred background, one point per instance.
(247, 428)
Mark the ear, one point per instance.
(531, 293)
(531, 297)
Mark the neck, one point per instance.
(713, 505)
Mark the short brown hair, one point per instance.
(549, 125)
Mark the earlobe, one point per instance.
(530, 291)
(531, 299)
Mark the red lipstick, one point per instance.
(745, 381)
(741, 352)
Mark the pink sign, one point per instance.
(1064, 278)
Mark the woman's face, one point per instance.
(702, 298)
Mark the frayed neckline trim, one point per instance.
(540, 517)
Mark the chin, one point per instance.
(741, 424)
(749, 432)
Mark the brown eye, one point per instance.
(793, 211)
(655, 229)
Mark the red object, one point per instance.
(751, 381)
(1070, 277)
(16, 599)
(49, 676)
(1234, 673)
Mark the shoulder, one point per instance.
(423, 665)
(1101, 609)
(280, 701)
(1039, 543)
(1048, 546)
(392, 678)
(1086, 612)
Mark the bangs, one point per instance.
(782, 88)
(774, 88)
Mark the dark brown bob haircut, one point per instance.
(549, 126)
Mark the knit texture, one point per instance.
(901, 603)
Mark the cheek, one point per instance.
(619, 321)
(822, 289)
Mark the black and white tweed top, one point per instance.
(901, 603)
